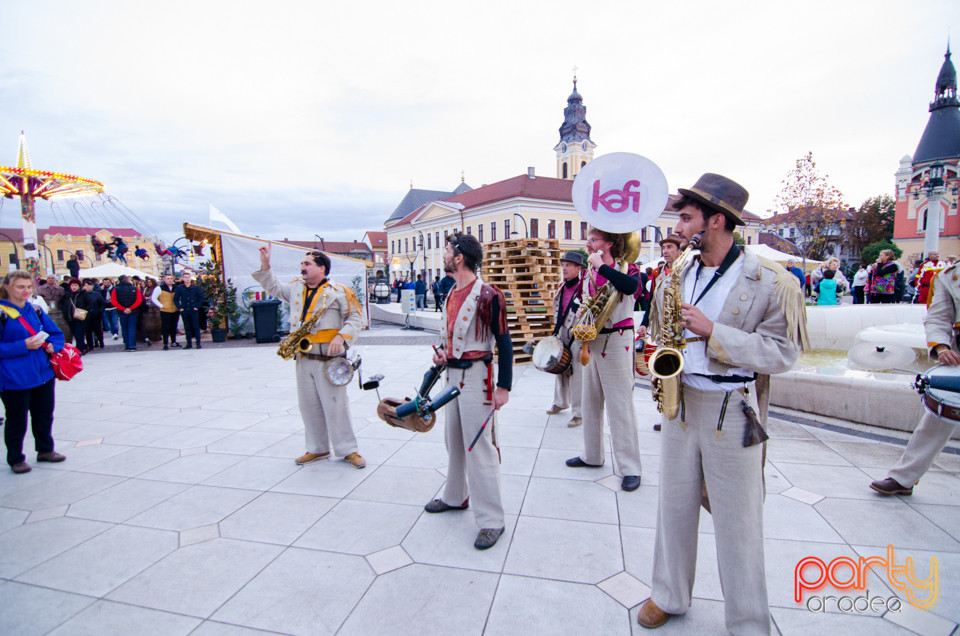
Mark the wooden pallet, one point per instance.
(528, 273)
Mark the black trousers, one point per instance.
(38, 402)
(168, 325)
(94, 331)
(191, 324)
(79, 328)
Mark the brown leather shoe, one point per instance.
(651, 616)
(891, 486)
(21, 467)
(308, 458)
(356, 460)
(575, 422)
(553, 410)
(52, 456)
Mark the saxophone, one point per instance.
(297, 341)
(595, 310)
(666, 363)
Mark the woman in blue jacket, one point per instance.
(26, 378)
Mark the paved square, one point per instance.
(180, 507)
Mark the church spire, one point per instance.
(575, 148)
(941, 137)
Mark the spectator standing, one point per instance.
(859, 283)
(73, 266)
(420, 289)
(126, 298)
(149, 318)
(51, 292)
(833, 263)
(932, 265)
(162, 297)
(437, 294)
(76, 299)
(796, 271)
(189, 299)
(884, 283)
(110, 321)
(26, 379)
(827, 289)
(446, 284)
(95, 306)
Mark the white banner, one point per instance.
(241, 257)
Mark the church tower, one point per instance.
(575, 148)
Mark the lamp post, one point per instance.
(526, 232)
(934, 189)
(16, 257)
(51, 264)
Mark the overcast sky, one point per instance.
(303, 118)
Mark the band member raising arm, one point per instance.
(324, 407)
(740, 315)
(608, 376)
(568, 387)
(474, 318)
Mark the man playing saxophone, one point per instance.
(608, 375)
(325, 408)
(740, 315)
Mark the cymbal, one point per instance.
(874, 357)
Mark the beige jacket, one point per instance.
(942, 320)
(342, 309)
(763, 322)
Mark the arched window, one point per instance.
(564, 170)
(583, 163)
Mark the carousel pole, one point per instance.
(31, 253)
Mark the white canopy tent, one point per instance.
(113, 270)
(771, 254)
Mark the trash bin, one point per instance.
(265, 320)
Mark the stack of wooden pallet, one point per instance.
(528, 273)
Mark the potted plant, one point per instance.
(221, 300)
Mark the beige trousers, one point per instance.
(925, 444)
(474, 474)
(325, 410)
(568, 388)
(608, 385)
(734, 481)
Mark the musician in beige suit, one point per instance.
(742, 316)
(325, 408)
(474, 318)
(941, 324)
(568, 386)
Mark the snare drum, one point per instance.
(940, 392)
(644, 350)
(551, 356)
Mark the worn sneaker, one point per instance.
(891, 486)
(356, 460)
(553, 410)
(487, 538)
(52, 456)
(439, 505)
(21, 467)
(575, 422)
(308, 458)
(115, 336)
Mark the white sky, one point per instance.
(303, 118)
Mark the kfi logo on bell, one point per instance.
(620, 192)
(844, 573)
(617, 200)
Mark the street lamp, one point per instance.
(934, 189)
(16, 257)
(526, 232)
(51, 264)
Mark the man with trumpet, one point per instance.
(740, 315)
(608, 373)
(568, 388)
(324, 407)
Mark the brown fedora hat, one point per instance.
(673, 237)
(720, 193)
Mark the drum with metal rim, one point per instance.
(939, 390)
(551, 356)
(644, 350)
(340, 370)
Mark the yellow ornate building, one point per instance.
(518, 207)
(57, 243)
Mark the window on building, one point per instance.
(428, 242)
(564, 170)
(669, 230)
(493, 231)
(421, 242)
(79, 255)
(780, 232)
(470, 230)
(480, 232)
(436, 238)
(60, 255)
(568, 230)
(406, 245)
(749, 240)
(534, 228)
(643, 235)
(506, 230)
(583, 230)
(13, 258)
(98, 257)
(446, 233)
(793, 232)
(583, 163)
(551, 229)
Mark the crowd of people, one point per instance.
(439, 289)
